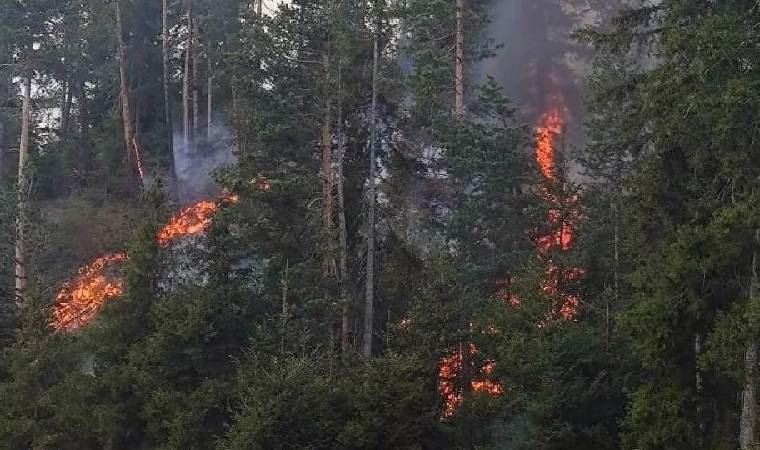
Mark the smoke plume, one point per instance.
(195, 163)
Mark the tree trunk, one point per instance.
(209, 99)
(83, 148)
(22, 187)
(195, 83)
(748, 423)
(4, 100)
(459, 63)
(3, 147)
(615, 269)
(369, 307)
(699, 383)
(130, 140)
(327, 175)
(748, 426)
(237, 123)
(186, 118)
(165, 49)
(342, 230)
(66, 109)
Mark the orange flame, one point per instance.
(548, 130)
(79, 300)
(561, 218)
(191, 221)
(451, 367)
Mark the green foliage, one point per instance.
(294, 402)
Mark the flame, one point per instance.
(451, 367)
(79, 300)
(548, 130)
(561, 221)
(561, 217)
(191, 221)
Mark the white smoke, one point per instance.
(196, 163)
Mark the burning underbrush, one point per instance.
(80, 299)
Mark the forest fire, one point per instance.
(558, 235)
(561, 217)
(79, 300)
(190, 221)
(548, 129)
(451, 368)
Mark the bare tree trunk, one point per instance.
(23, 192)
(459, 63)
(236, 118)
(137, 108)
(342, 231)
(749, 417)
(748, 426)
(699, 383)
(165, 49)
(369, 307)
(327, 175)
(84, 147)
(187, 125)
(130, 139)
(3, 147)
(4, 95)
(209, 98)
(284, 314)
(616, 269)
(66, 109)
(195, 82)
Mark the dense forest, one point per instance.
(320, 224)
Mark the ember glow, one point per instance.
(450, 370)
(80, 299)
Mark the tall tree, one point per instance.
(345, 316)
(187, 124)
(748, 421)
(165, 50)
(195, 81)
(459, 62)
(326, 138)
(23, 186)
(209, 96)
(369, 300)
(130, 136)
